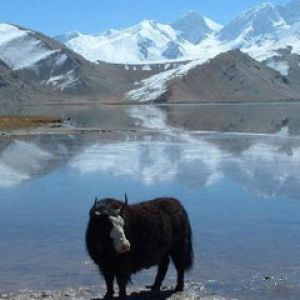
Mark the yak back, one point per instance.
(154, 229)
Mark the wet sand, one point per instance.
(20, 122)
(193, 291)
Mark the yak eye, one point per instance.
(115, 212)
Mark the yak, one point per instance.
(123, 239)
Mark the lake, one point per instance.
(241, 192)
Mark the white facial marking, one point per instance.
(117, 234)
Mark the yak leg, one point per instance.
(161, 273)
(122, 282)
(179, 263)
(109, 280)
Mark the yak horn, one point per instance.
(126, 199)
(96, 200)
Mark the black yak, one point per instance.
(123, 239)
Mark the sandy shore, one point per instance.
(18, 122)
(193, 291)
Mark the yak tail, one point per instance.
(189, 250)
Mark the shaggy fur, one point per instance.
(157, 231)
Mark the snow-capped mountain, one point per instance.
(260, 32)
(264, 30)
(38, 57)
(19, 48)
(194, 28)
(146, 41)
(261, 21)
(63, 38)
(33, 63)
(141, 61)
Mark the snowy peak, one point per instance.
(259, 31)
(63, 38)
(147, 24)
(262, 20)
(40, 59)
(19, 48)
(214, 26)
(146, 41)
(151, 30)
(143, 42)
(194, 27)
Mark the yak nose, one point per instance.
(125, 248)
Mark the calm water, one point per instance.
(241, 192)
(238, 117)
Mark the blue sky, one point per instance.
(90, 16)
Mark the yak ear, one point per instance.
(126, 199)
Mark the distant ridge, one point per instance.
(259, 31)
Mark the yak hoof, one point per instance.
(149, 287)
(178, 288)
(108, 296)
(153, 288)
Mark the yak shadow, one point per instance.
(147, 295)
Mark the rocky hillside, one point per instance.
(33, 64)
(229, 76)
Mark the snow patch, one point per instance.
(63, 82)
(212, 25)
(147, 68)
(154, 87)
(281, 66)
(19, 49)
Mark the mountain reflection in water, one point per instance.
(267, 166)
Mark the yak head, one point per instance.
(108, 214)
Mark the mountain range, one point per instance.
(191, 59)
(259, 31)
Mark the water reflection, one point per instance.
(268, 170)
(229, 185)
(19, 160)
(152, 164)
(148, 116)
(268, 167)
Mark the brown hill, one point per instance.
(231, 76)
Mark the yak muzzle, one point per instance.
(124, 247)
(121, 244)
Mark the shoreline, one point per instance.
(193, 291)
(8, 123)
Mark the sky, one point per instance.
(54, 17)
